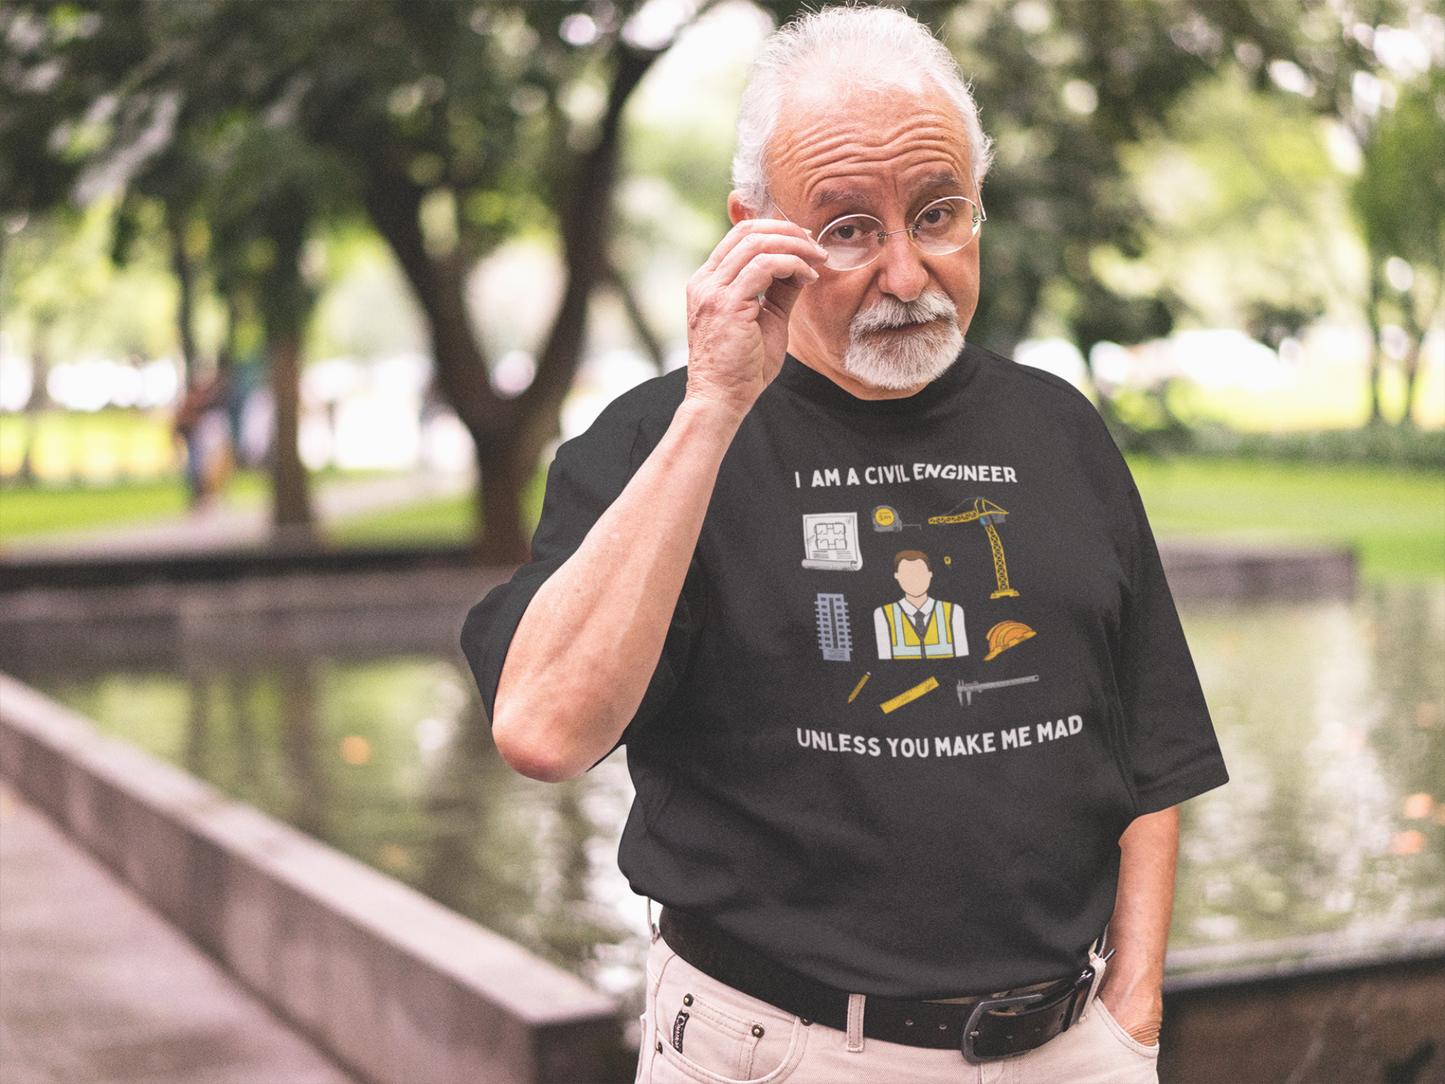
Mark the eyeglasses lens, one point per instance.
(944, 226)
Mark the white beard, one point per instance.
(897, 362)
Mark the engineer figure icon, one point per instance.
(916, 626)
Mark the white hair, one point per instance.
(884, 47)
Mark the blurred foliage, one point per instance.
(1247, 224)
(235, 133)
(1405, 446)
(1400, 199)
(64, 298)
(1065, 88)
(56, 448)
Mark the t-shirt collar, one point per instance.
(813, 385)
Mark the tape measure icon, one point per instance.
(886, 518)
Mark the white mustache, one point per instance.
(891, 313)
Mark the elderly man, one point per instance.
(863, 876)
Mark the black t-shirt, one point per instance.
(924, 670)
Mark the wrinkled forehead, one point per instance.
(835, 142)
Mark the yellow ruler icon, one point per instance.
(909, 696)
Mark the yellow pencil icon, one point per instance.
(912, 694)
(859, 687)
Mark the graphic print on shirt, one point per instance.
(920, 627)
(987, 513)
(886, 518)
(909, 695)
(916, 626)
(835, 636)
(1004, 635)
(830, 541)
(859, 687)
(1001, 637)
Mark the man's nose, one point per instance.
(901, 272)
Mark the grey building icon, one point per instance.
(834, 635)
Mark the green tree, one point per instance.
(179, 138)
(269, 192)
(1067, 89)
(457, 126)
(1399, 198)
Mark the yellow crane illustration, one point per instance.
(987, 513)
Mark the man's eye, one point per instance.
(935, 218)
(846, 232)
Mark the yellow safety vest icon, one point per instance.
(937, 639)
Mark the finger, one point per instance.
(730, 263)
(767, 270)
(755, 234)
(763, 247)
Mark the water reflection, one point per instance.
(1332, 716)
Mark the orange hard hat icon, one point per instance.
(1005, 635)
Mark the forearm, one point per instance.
(582, 656)
(587, 645)
(1139, 930)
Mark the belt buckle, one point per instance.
(971, 1029)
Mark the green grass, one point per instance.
(448, 521)
(1393, 518)
(29, 510)
(35, 510)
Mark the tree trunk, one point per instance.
(510, 433)
(1412, 373)
(502, 479)
(1372, 315)
(185, 304)
(39, 399)
(640, 325)
(291, 517)
(1415, 329)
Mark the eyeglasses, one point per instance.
(945, 225)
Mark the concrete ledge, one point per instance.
(1365, 1021)
(45, 629)
(1251, 962)
(391, 983)
(1224, 572)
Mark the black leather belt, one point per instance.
(984, 1028)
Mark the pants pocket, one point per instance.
(1127, 1040)
(702, 1030)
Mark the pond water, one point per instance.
(1331, 715)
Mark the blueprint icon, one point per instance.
(830, 541)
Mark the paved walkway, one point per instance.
(222, 527)
(97, 987)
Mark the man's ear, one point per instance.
(738, 211)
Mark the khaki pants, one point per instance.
(727, 1037)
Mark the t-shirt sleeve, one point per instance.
(587, 475)
(1171, 743)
